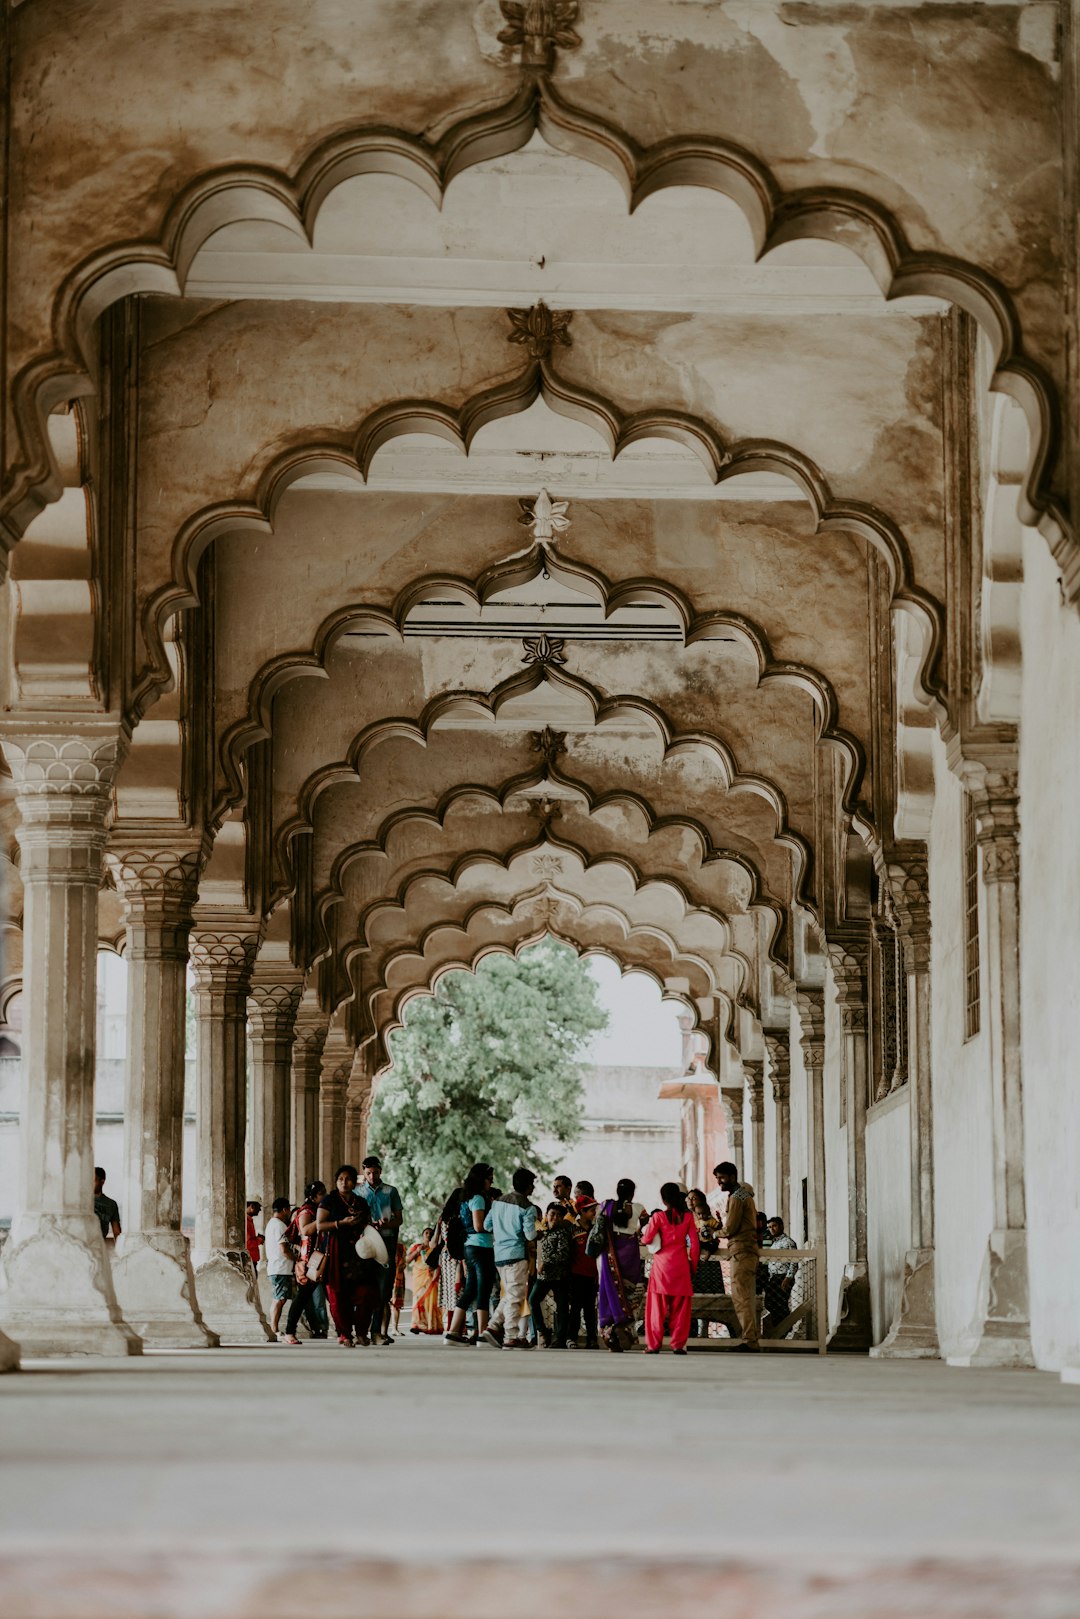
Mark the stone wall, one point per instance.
(1050, 959)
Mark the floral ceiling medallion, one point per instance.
(537, 27)
(540, 329)
(543, 651)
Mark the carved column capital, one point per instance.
(273, 1000)
(222, 959)
(63, 788)
(309, 1032)
(996, 802)
(779, 1050)
(810, 1007)
(909, 891)
(754, 1074)
(158, 883)
(848, 959)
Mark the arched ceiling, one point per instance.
(537, 454)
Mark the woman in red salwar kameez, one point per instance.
(671, 1278)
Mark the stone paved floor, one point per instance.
(449, 1482)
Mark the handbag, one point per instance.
(316, 1264)
(596, 1241)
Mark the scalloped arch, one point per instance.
(582, 951)
(481, 703)
(256, 514)
(242, 192)
(759, 901)
(530, 934)
(281, 670)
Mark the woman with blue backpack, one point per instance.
(463, 1221)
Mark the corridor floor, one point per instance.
(419, 1481)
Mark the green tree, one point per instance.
(481, 1070)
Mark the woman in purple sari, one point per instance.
(622, 1276)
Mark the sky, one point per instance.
(643, 1029)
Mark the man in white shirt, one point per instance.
(280, 1259)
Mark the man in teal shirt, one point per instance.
(512, 1222)
(385, 1206)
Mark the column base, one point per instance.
(59, 1297)
(854, 1332)
(155, 1287)
(229, 1298)
(1005, 1334)
(913, 1334)
(10, 1353)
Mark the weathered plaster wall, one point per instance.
(1050, 956)
(963, 1191)
(99, 150)
(888, 1205)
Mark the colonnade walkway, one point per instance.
(441, 1482)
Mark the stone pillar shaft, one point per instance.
(153, 1274)
(913, 1333)
(810, 1005)
(1005, 1335)
(222, 957)
(60, 1295)
(849, 959)
(272, 1003)
(336, 1066)
(779, 1053)
(755, 1091)
(308, 1040)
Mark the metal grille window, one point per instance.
(971, 920)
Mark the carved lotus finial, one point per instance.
(546, 517)
(551, 744)
(543, 651)
(536, 27)
(540, 329)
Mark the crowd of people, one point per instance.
(498, 1270)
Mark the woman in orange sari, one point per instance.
(426, 1315)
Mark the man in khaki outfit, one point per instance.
(740, 1229)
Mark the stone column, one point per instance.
(1005, 1335)
(272, 1005)
(222, 956)
(60, 1297)
(849, 959)
(309, 1037)
(754, 1073)
(735, 1097)
(810, 1007)
(337, 1062)
(913, 1334)
(778, 1050)
(358, 1100)
(153, 1274)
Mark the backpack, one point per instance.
(455, 1238)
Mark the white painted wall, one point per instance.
(888, 1205)
(1050, 954)
(963, 1190)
